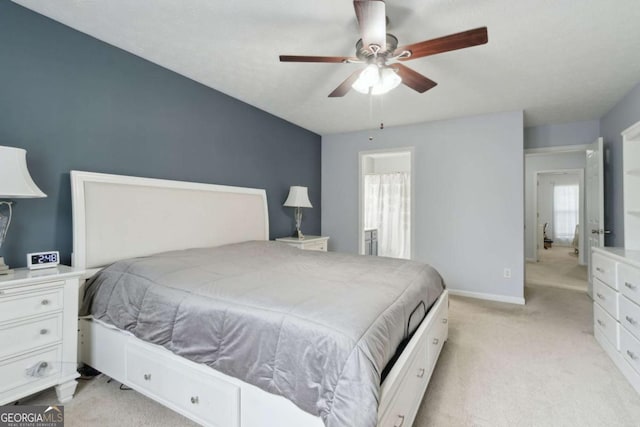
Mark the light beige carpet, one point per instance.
(504, 365)
(557, 266)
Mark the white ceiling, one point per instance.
(558, 60)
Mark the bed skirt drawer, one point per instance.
(606, 297)
(604, 268)
(609, 327)
(404, 406)
(166, 378)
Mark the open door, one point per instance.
(594, 231)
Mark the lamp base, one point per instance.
(4, 268)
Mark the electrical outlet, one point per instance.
(507, 273)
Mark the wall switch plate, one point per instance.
(507, 273)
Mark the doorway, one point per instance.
(385, 200)
(560, 218)
(589, 159)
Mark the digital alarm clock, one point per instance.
(39, 260)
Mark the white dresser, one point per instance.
(38, 332)
(616, 308)
(309, 243)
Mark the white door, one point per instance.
(594, 231)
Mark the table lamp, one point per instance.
(298, 198)
(15, 183)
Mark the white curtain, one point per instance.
(386, 207)
(566, 200)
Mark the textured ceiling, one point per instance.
(558, 60)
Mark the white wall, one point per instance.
(546, 162)
(468, 197)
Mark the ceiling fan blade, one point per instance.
(413, 79)
(333, 59)
(448, 43)
(345, 86)
(372, 20)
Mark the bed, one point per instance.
(117, 219)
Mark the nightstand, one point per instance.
(309, 243)
(38, 332)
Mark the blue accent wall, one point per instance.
(74, 102)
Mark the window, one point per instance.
(565, 212)
(387, 209)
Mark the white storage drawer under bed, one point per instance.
(215, 401)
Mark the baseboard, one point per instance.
(531, 260)
(489, 297)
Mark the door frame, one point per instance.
(582, 200)
(361, 157)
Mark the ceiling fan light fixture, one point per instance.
(377, 80)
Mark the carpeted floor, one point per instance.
(504, 365)
(557, 266)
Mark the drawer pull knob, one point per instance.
(444, 320)
(600, 269)
(401, 421)
(600, 295)
(421, 372)
(45, 302)
(147, 377)
(195, 400)
(44, 331)
(632, 355)
(600, 322)
(436, 341)
(630, 320)
(630, 285)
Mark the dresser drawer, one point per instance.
(606, 297)
(607, 325)
(630, 316)
(629, 282)
(14, 372)
(25, 336)
(214, 400)
(15, 304)
(604, 268)
(630, 349)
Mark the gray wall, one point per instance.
(469, 217)
(76, 103)
(574, 133)
(546, 162)
(625, 113)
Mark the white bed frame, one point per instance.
(117, 217)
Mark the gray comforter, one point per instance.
(315, 327)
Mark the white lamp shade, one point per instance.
(15, 180)
(298, 198)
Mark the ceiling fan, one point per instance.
(380, 51)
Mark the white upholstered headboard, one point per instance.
(117, 217)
